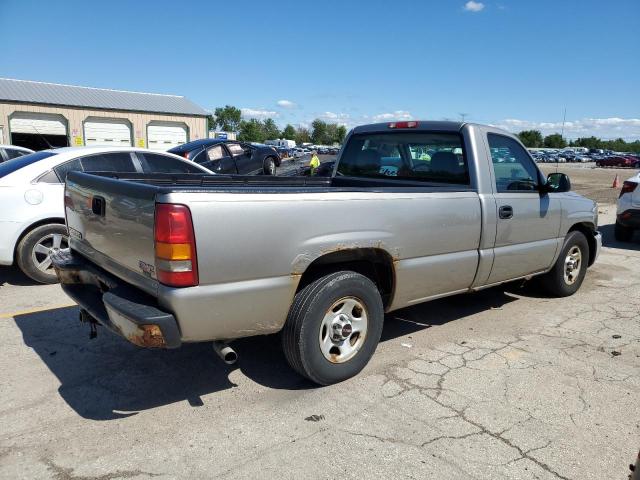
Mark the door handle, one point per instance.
(505, 211)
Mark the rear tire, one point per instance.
(269, 166)
(333, 327)
(34, 250)
(622, 233)
(566, 276)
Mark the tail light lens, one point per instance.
(627, 187)
(176, 260)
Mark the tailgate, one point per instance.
(111, 223)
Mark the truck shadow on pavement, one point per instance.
(107, 378)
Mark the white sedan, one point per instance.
(32, 197)
(628, 212)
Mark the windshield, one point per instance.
(424, 156)
(11, 166)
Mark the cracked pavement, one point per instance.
(504, 383)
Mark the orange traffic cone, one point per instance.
(616, 182)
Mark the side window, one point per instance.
(514, 170)
(235, 149)
(108, 162)
(64, 168)
(216, 152)
(48, 177)
(436, 158)
(156, 163)
(13, 153)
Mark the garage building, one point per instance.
(41, 115)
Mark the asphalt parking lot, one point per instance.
(504, 383)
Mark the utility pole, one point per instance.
(564, 118)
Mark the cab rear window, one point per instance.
(419, 156)
(15, 164)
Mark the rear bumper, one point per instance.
(629, 218)
(124, 310)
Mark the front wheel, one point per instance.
(34, 251)
(269, 166)
(333, 327)
(566, 276)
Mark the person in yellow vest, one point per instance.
(314, 163)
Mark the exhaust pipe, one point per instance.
(225, 352)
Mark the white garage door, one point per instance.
(106, 132)
(37, 123)
(166, 136)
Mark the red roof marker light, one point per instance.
(411, 124)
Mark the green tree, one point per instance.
(228, 118)
(289, 132)
(555, 140)
(531, 138)
(270, 129)
(331, 134)
(318, 131)
(211, 123)
(302, 135)
(251, 131)
(341, 132)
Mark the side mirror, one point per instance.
(248, 152)
(557, 183)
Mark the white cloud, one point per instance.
(258, 114)
(334, 117)
(606, 128)
(392, 116)
(286, 104)
(472, 6)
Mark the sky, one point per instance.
(517, 64)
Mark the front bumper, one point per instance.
(120, 308)
(598, 237)
(629, 218)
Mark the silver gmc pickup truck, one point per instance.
(413, 211)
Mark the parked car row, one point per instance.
(601, 157)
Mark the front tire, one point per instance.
(622, 233)
(333, 327)
(33, 253)
(269, 166)
(566, 276)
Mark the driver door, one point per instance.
(243, 156)
(528, 223)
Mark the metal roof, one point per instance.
(68, 95)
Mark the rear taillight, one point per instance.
(627, 187)
(403, 124)
(175, 242)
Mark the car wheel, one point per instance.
(34, 251)
(622, 233)
(566, 276)
(333, 327)
(269, 166)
